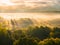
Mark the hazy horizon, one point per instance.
(30, 15)
(13, 6)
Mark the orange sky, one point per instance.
(51, 5)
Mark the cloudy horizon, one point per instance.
(29, 5)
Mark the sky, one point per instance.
(29, 5)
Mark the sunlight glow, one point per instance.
(17, 16)
(5, 2)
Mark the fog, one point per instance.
(45, 16)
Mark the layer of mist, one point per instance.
(25, 20)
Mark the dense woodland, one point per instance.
(33, 36)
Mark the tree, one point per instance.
(4, 38)
(40, 32)
(50, 41)
(26, 41)
(56, 32)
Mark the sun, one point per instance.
(6, 2)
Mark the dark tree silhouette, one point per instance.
(50, 41)
(4, 38)
(26, 41)
(56, 32)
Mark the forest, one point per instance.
(29, 22)
(42, 35)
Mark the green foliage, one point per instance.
(4, 38)
(32, 36)
(56, 32)
(26, 41)
(50, 41)
(40, 32)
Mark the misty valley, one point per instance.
(29, 29)
(29, 22)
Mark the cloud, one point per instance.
(44, 5)
(31, 5)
